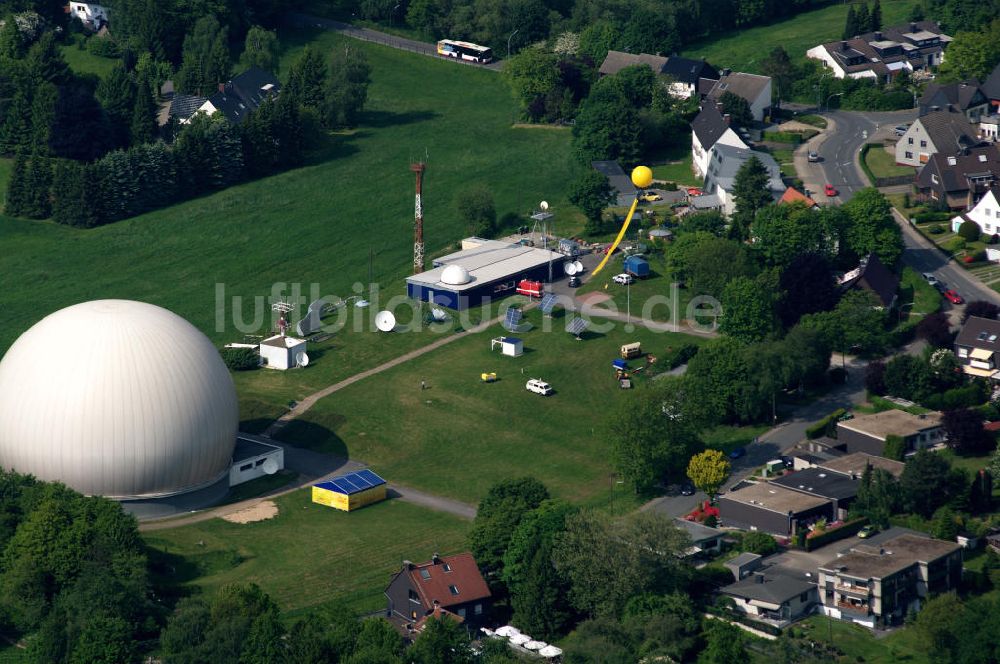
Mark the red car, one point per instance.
(953, 297)
(830, 190)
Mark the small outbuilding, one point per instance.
(511, 346)
(351, 491)
(281, 352)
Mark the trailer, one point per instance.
(529, 288)
(637, 266)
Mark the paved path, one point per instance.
(384, 38)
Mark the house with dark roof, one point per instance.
(242, 95)
(618, 179)
(773, 594)
(839, 489)
(958, 181)
(725, 162)
(977, 347)
(445, 583)
(991, 88)
(771, 508)
(703, 538)
(877, 584)
(868, 433)
(684, 73)
(854, 465)
(615, 61)
(944, 132)
(883, 54)
(871, 275)
(965, 97)
(754, 88)
(709, 127)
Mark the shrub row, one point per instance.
(744, 619)
(826, 425)
(847, 530)
(681, 355)
(924, 217)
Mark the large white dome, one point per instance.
(117, 398)
(455, 275)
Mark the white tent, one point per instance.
(519, 639)
(549, 652)
(535, 645)
(507, 630)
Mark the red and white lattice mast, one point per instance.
(418, 220)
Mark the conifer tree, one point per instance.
(70, 204)
(876, 16)
(864, 20)
(39, 184)
(14, 130)
(17, 196)
(143, 127)
(43, 112)
(851, 25)
(307, 78)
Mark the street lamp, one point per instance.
(508, 41)
(835, 94)
(392, 14)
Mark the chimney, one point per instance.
(843, 46)
(727, 71)
(407, 564)
(436, 559)
(878, 35)
(913, 27)
(222, 87)
(728, 118)
(758, 578)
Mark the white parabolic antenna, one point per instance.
(578, 265)
(301, 359)
(544, 205)
(438, 314)
(270, 466)
(570, 268)
(385, 321)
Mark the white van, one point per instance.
(538, 386)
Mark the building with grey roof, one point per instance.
(958, 181)
(868, 433)
(615, 61)
(876, 584)
(883, 54)
(839, 489)
(991, 87)
(754, 88)
(723, 165)
(709, 127)
(977, 347)
(944, 131)
(773, 594)
(854, 465)
(618, 179)
(703, 538)
(771, 508)
(964, 97)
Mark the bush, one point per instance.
(895, 448)
(826, 426)
(967, 396)
(924, 217)
(680, 355)
(105, 47)
(847, 530)
(760, 543)
(969, 230)
(240, 359)
(936, 229)
(669, 186)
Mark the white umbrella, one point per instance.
(507, 630)
(519, 639)
(535, 645)
(550, 652)
(487, 631)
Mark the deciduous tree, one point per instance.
(261, 49)
(748, 308)
(591, 192)
(307, 79)
(708, 470)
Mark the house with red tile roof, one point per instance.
(793, 195)
(443, 585)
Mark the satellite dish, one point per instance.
(544, 205)
(385, 321)
(361, 304)
(270, 466)
(570, 268)
(301, 359)
(439, 314)
(579, 266)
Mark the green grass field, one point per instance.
(313, 225)
(860, 645)
(743, 50)
(487, 432)
(914, 289)
(883, 164)
(82, 61)
(309, 555)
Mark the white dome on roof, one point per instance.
(455, 275)
(117, 398)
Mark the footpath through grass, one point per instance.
(744, 50)
(307, 556)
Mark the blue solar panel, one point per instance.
(512, 319)
(548, 303)
(576, 326)
(374, 479)
(352, 482)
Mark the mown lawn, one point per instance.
(312, 226)
(914, 289)
(743, 50)
(674, 165)
(860, 645)
(883, 164)
(309, 555)
(82, 61)
(461, 435)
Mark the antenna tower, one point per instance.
(418, 220)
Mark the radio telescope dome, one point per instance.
(120, 399)
(455, 275)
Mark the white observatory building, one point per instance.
(120, 399)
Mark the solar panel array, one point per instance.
(548, 303)
(353, 482)
(576, 326)
(512, 320)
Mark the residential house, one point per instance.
(876, 584)
(709, 127)
(242, 95)
(959, 181)
(977, 347)
(723, 165)
(756, 89)
(773, 594)
(615, 61)
(854, 465)
(991, 88)
(92, 15)
(685, 73)
(943, 132)
(883, 54)
(989, 128)
(452, 583)
(703, 538)
(867, 433)
(793, 195)
(985, 214)
(839, 489)
(771, 508)
(618, 179)
(743, 565)
(966, 97)
(871, 275)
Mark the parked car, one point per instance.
(687, 489)
(830, 190)
(623, 279)
(814, 157)
(574, 282)
(867, 531)
(538, 386)
(900, 129)
(931, 279)
(649, 196)
(738, 453)
(953, 297)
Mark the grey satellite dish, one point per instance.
(301, 359)
(270, 466)
(544, 205)
(570, 268)
(361, 304)
(385, 321)
(579, 266)
(311, 321)
(439, 314)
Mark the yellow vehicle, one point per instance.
(628, 351)
(649, 196)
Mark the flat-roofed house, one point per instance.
(772, 509)
(868, 433)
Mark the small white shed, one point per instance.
(280, 352)
(511, 346)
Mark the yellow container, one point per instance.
(351, 491)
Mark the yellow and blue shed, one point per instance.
(351, 491)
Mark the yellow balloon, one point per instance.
(642, 176)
